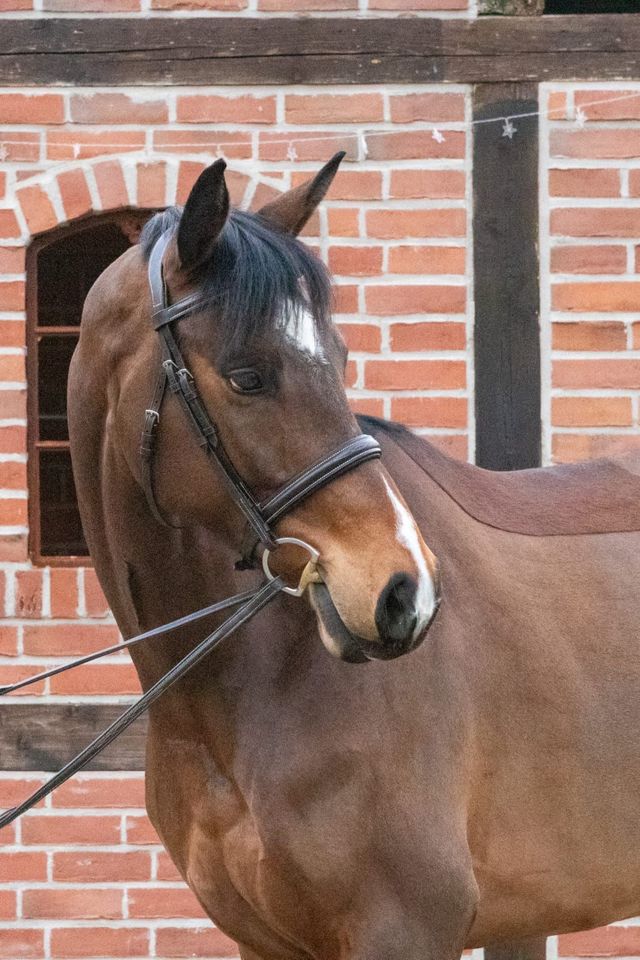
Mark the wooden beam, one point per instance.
(511, 8)
(45, 736)
(535, 949)
(506, 279)
(243, 50)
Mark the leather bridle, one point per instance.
(261, 517)
(175, 376)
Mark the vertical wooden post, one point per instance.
(506, 271)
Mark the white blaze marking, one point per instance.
(300, 329)
(407, 535)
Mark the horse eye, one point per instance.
(245, 381)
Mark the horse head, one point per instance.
(269, 367)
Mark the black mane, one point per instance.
(258, 277)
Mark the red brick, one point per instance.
(29, 593)
(412, 5)
(597, 374)
(8, 904)
(37, 208)
(140, 830)
(568, 447)
(95, 599)
(68, 640)
(430, 411)
(416, 298)
(13, 512)
(635, 329)
(608, 104)
(356, 261)
(427, 184)
(5, 7)
(415, 144)
(602, 942)
(12, 334)
(433, 107)
(103, 941)
(14, 548)
(151, 181)
(623, 143)
(363, 337)
(349, 184)
(64, 592)
(12, 259)
(598, 296)
(584, 183)
(89, 904)
(343, 221)
(94, 867)
(31, 108)
(13, 790)
(69, 830)
(263, 194)
(557, 106)
(74, 192)
(13, 403)
(592, 411)
(370, 406)
(90, 6)
(198, 4)
(20, 145)
(589, 259)
(111, 184)
(231, 143)
(13, 476)
(608, 335)
(310, 145)
(416, 223)
(13, 439)
(13, 673)
(427, 260)
(117, 108)
(596, 222)
(334, 108)
(161, 903)
(306, 5)
(203, 108)
(415, 374)
(167, 869)
(428, 336)
(102, 679)
(12, 365)
(9, 226)
(190, 942)
(21, 944)
(80, 143)
(87, 791)
(23, 865)
(634, 183)
(346, 298)
(8, 635)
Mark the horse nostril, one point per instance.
(396, 616)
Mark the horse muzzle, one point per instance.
(402, 622)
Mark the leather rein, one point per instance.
(260, 517)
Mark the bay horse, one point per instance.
(352, 776)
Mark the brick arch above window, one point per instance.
(67, 192)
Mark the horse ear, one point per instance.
(204, 216)
(291, 211)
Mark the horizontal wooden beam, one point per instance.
(45, 736)
(245, 50)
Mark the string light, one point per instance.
(508, 131)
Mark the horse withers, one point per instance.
(367, 804)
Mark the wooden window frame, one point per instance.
(33, 332)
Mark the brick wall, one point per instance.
(590, 193)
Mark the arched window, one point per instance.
(61, 267)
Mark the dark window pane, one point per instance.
(592, 6)
(54, 357)
(68, 268)
(60, 525)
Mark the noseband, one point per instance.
(175, 376)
